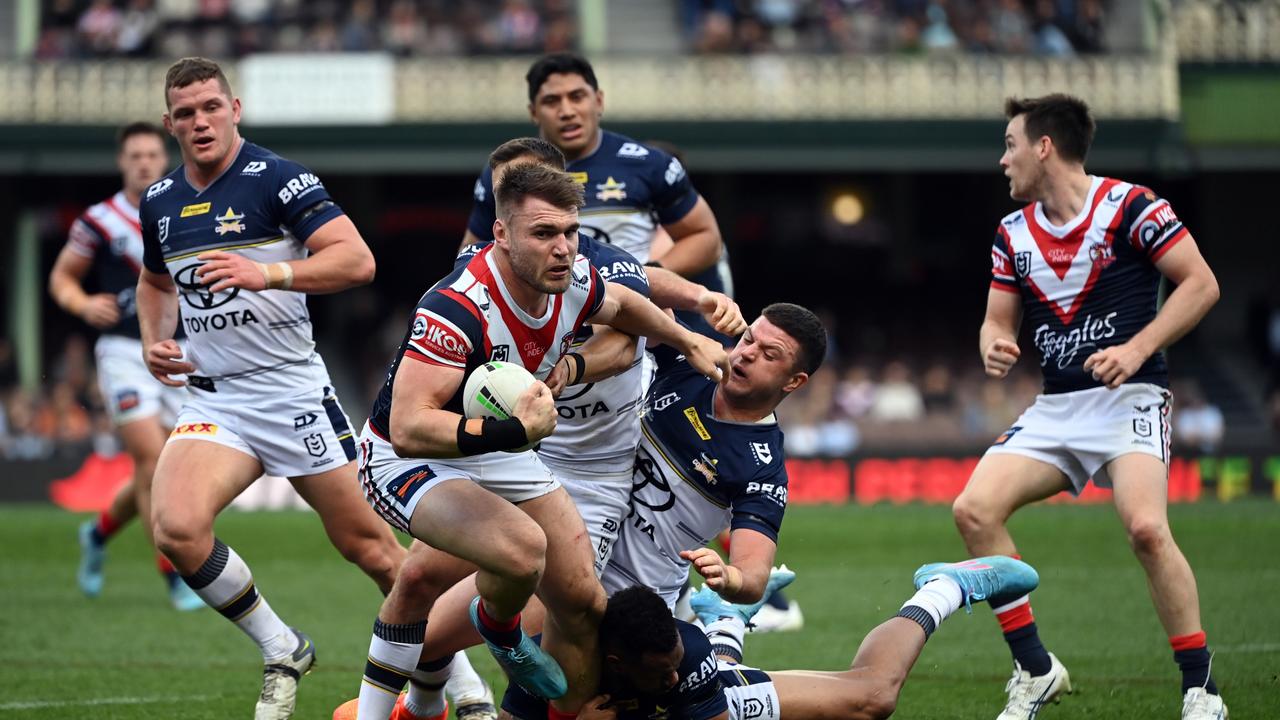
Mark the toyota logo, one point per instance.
(197, 295)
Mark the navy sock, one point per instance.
(506, 634)
(1027, 649)
(1195, 669)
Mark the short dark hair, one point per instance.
(539, 181)
(1064, 118)
(636, 622)
(544, 152)
(566, 63)
(805, 328)
(139, 128)
(190, 70)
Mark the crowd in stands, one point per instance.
(63, 417)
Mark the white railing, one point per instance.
(1228, 31)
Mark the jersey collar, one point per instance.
(200, 191)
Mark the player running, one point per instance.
(241, 235)
(657, 666)
(523, 298)
(104, 248)
(1082, 263)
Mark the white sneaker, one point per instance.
(770, 619)
(1028, 694)
(1200, 705)
(470, 706)
(280, 681)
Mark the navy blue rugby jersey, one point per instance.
(264, 208)
(630, 189)
(694, 476)
(697, 695)
(469, 318)
(1089, 284)
(109, 235)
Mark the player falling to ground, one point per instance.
(104, 252)
(658, 667)
(1082, 264)
(592, 450)
(523, 298)
(238, 236)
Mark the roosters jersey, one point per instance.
(262, 207)
(694, 476)
(599, 422)
(109, 235)
(469, 318)
(1089, 284)
(629, 189)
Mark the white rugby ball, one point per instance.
(492, 389)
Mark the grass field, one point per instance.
(127, 655)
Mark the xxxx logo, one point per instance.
(199, 428)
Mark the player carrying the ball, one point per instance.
(444, 478)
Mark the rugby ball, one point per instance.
(492, 389)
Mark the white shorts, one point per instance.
(129, 390)
(750, 692)
(1080, 432)
(292, 436)
(602, 500)
(394, 485)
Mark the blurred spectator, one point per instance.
(137, 28)
(24, 440)
(1197, 424)
(897, 398)
(856, 393)
(98, 27)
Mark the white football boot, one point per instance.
(280, 681)
(1200, 705)
(1028, 694)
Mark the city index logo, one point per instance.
(229, 221)
(200, 209)
(197, 428)
(696, 422)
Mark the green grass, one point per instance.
(127, 655)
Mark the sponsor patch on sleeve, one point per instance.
(438, 340)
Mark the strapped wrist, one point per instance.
(577, 367)
(494, 435)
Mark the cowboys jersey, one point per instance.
(262, 207)
(694, 476)
(469, 318)
(1091, 283)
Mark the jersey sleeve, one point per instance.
(301, 202)
(85, 238)
(596, 297)
(484, 211)
(153, 229)
(760, 504)
(1153, 226)
(673, 192)
(445, 330)
(1003, 275)
(701, 694)
(619, 266)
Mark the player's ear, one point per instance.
(499, 232)
(795, 382)
(600, 101)
(168, 123)
(235, 111)
(533, 116)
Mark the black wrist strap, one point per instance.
(494, 435)
(654, 263)
(578, 367)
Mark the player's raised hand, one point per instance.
(722, 312)
(999, 357)
(223, 270)
(598, 708)
(720, 577)
(100, 311)
(707, 357)
(1113, 365)
(536, 410)
(164, 359)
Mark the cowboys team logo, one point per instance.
(706, 465)
(611, 190)
(197, 294)
(229, 221)
(1022, 261)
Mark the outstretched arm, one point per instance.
(631, 313)
(669, 290)
(743, 578)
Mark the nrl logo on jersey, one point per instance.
(633, 150)
(229, 221)
(254, 168)
(500, 353)
(611, 190)
(1022, 261)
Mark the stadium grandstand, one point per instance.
(850, 150)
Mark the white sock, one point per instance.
(939, 597)
(427, 686)
(225, 583)
(393, 655)
(464, 682)
(726, 636)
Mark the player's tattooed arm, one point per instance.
(697, 241)
(998, 338)
(157, 304)
(1196, 292)
(669, 290)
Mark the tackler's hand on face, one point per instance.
(707, 357)
(722, 313)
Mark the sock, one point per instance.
(554, 714)
(1019, 627)
(725, 635)
(933, 603)
(167, 570)
(393, 655)
(778, 600)
(499, 632)
(1192, 656)
(104, 528)
(464, 682)
(426, 687)
(225, 584)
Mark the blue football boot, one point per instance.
(526, 663)
(984, 578)
(92, 558)
(709, 606)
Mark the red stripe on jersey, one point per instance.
(111, 203)
(997, 285)
(411, 353)
(597, 286)
(106, 239)
(531, 344)
(1124, 210)
(1177, 237)
(467, 303)
(1060, 252)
